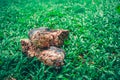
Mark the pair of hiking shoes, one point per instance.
(44, 44)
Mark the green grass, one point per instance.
(92, 49)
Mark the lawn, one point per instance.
(92, 49)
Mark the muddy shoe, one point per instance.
(52, 57)
(44, 37)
